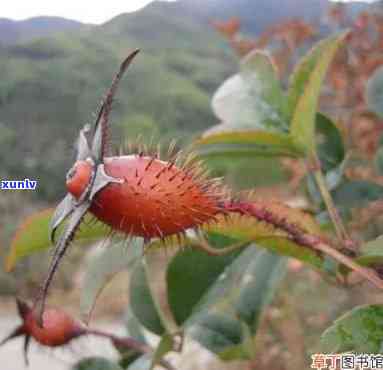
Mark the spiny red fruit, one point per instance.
(156, 198)
(58, 328)
(78, 179)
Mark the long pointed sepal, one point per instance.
(63, 243)
(27, 340)
(19, 331)
(62, 211)
(22, 308)
(83, 150)
(100, 137)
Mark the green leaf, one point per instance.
(333, 178)
(225, 141)
(324, 219)
(374, 92)
(33, 236)
(331, 153)
(190, 274)
(304, 90)
(133, 326)
(371, 255)
(96, 363)
(230, 311)
(206, 295)
(359, 330)
(141, 301)
(247, 144)
(103, 266)
(258, 67)
(354, 194)
(330, 146)
(252, 107)
(252, 99)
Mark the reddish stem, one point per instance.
(128, 343)
(301, 237)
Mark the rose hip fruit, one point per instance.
(154, 199)
(58, 327)
(137, 194)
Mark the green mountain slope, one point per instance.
(256, 15)
(50, 87)
(12, 32)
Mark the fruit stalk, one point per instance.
(301, 237)
(59, 329)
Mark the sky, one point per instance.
(87, 11)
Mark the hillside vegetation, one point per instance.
(12, 32)
(51, 86)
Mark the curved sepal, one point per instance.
(65, 239)
(100, 136)
(62, 211)
(83, 150)
(101, 180)
(22, 308)
(27, 341)
(19, 331)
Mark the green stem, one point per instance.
(203, 245)
(340, 229)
